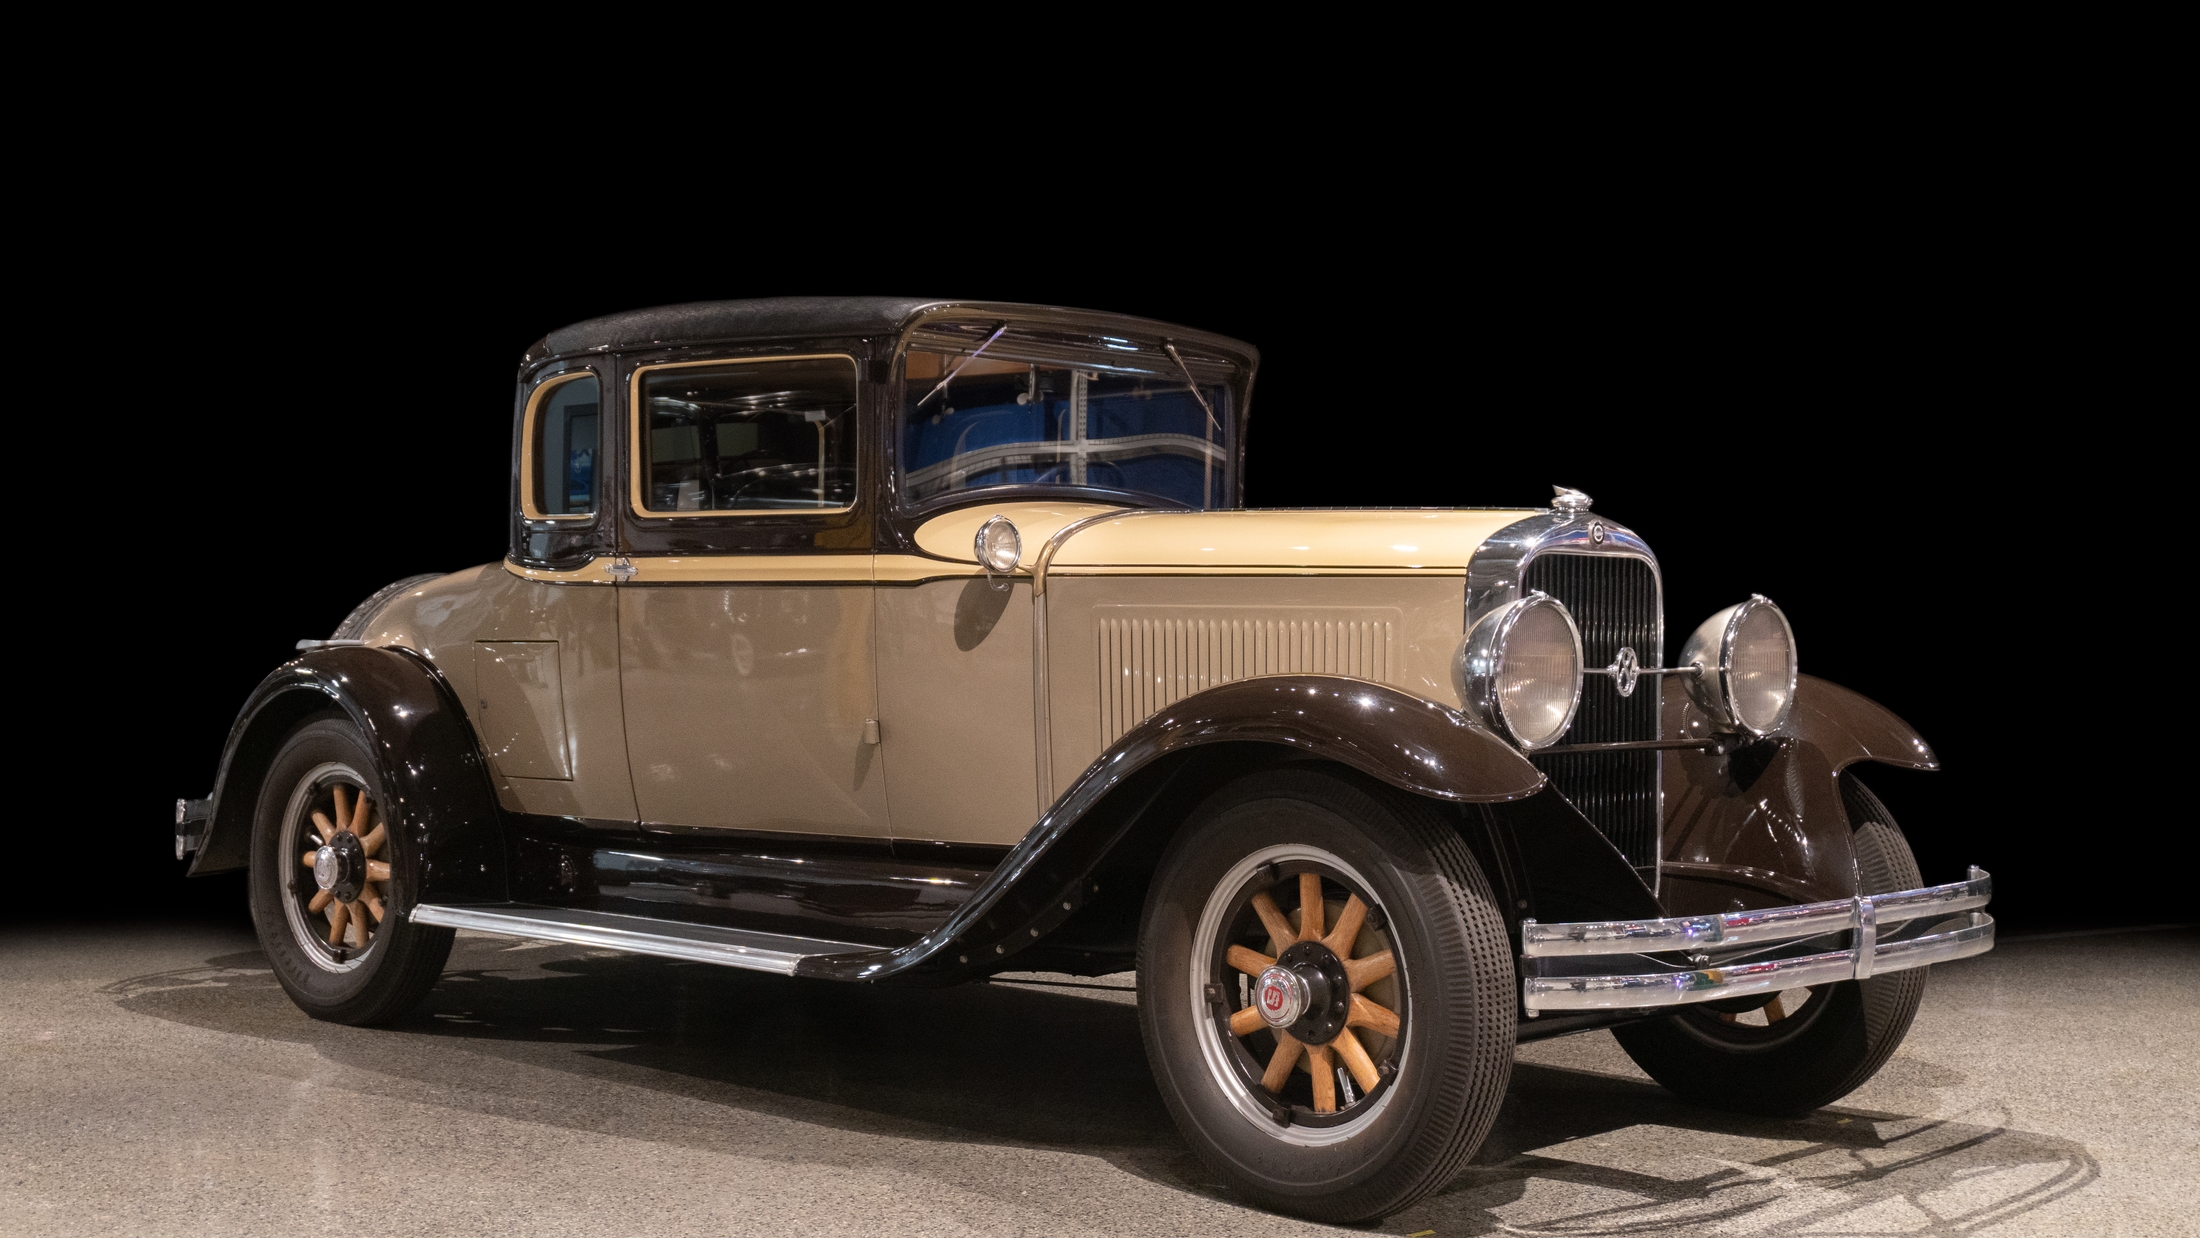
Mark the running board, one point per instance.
(671, 939)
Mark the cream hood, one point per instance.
(1293, 542)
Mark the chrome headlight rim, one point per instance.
(998, 546)
(1715, 685)
(1481, 667)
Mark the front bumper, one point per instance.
(1736, 954)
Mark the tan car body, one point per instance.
(743, 691)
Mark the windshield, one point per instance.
(1048, 407)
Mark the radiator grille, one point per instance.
(1149, 664)
(1615, 600)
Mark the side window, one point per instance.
(565, 442)
(721, 436)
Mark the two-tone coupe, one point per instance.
(906, 641)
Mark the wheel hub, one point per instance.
(340, 867)
(1325, 988)
(1282, 997)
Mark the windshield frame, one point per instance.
(1243, 362)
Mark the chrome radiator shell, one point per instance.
(1608, 578)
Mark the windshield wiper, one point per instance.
(997, 331)
(1197, 394)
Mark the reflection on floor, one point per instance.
(159, 1080)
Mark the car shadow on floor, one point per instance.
(1576, 1152)
(539, 1029)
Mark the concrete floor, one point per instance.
(158, 1082)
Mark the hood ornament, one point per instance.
(1569, 500)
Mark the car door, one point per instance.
(745, 628)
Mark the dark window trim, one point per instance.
(571, 541)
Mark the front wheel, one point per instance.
(1794, 1051)
(327, 897)
(1326, 994)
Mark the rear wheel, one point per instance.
(1794, 1051)
(1326, 994)
(326, 893)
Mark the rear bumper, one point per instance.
(1642, 964)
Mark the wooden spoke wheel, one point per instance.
(1763, 1011)
(1326, 993)
(338, 896)
(1306, 990)
(329, 881)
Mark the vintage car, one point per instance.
(913, 641)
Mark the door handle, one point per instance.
(622, 568)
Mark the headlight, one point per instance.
(1747, 653)
(1520, 670)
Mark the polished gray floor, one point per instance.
(156, 1081)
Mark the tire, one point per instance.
(1839, 1037)
(354, 626)
(320, 770)
(1438, 1081)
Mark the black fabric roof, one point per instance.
(713, 320)
(769, 317)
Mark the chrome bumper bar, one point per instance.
(1959, 932)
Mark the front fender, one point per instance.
(1764, 824)
(440, 798)
(1416, 745)
(1850, 727)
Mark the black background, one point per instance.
(1906, 421)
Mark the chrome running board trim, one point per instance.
(670, 939)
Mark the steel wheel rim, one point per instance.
(1225, 1053)
(329, 800)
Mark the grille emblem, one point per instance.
(1626, 668)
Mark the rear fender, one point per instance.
(440, 798)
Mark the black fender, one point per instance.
(1764, 824)
(441, 801)
(1163, 766)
